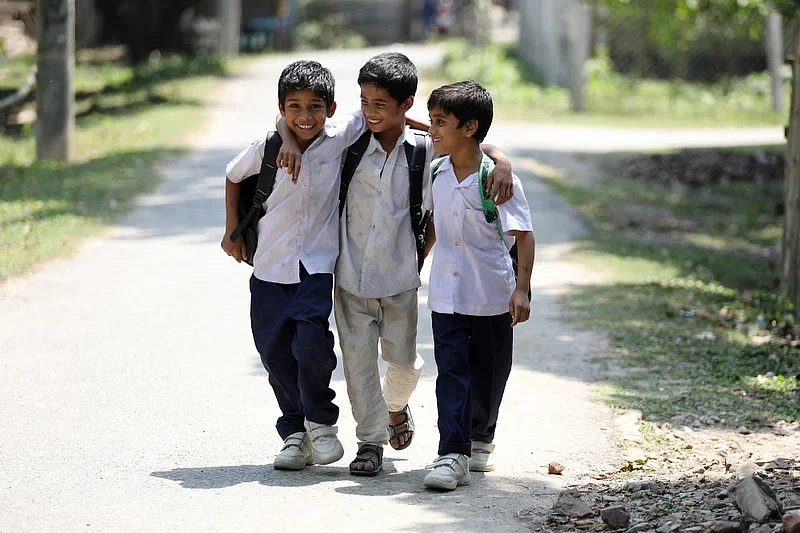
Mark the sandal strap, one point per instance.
(369, 453)
(406, 426)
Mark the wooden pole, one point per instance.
(790, 267)
(579, 35)
(55, 95)
(775, 58)
(229, 13)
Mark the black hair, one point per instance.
(306, 76)
(467, 101)
(391, 71)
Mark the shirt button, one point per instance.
(455, 274)
(455, 213)
(457, 244)
(305, 185)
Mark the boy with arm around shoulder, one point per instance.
(377, 276)
(474, 298)
(293, 266)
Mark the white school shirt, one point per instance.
(301, 221)
(471, 272)
(378, 252)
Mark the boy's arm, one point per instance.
(415, 124)
(501, 181)
(519, 306)
(235, 249)
(289, 156)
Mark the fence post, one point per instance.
(790, 265)
(229, 13)
(775, 57)
(55, 93)
(579, 36)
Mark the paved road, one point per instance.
(132, 399)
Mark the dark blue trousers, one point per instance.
(473, 357)
(292, 335)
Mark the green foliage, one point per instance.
(128, 120)
(610, 96)
(698, 329)
(326, 34)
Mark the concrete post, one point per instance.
(55, 95)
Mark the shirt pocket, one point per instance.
(479, 234)
(400, 183)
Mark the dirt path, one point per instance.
(131, 396)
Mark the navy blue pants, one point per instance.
(292, 335)
(473, 357)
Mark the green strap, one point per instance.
(489, 208)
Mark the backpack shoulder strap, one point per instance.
(436, 164)
(354, 154)
(269, 168)
(266, 181)
(489, 207)
(415, 157)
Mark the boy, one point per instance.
(293, 265)
(377, 271)
(474, 300)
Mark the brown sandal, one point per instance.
(406, 427)
(368, 453)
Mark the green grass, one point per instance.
(128, 120)
(696, 328)
(611, 99)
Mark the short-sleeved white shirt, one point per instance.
(471, 272)
(378, 252)
(301, 220)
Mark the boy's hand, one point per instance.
(500, 183)
(235, 249)
(519, 307)
(289, 157)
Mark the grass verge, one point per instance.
(700, 331)
(128, 119)
(611, 98)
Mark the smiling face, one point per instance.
(305, 114)
(447, 136)
(381, 111)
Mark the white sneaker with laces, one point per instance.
(325, 445)
(479, 460)
(295, 454)
(449, 471)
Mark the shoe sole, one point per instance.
(481, 468)
(288, 466)
(441, 485)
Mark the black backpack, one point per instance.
(253, 192)
(415, 156)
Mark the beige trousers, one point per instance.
(362, 323)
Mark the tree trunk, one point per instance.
(790, 268)
(230, 26)
(579, 35)
(775, 57)
(55, 95)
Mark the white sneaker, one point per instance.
(295, 454)
(325, 446)
(479, 460)
(449, 471)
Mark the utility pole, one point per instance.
(229, 15)
(790, 266)
(55, 94)
(775, 57)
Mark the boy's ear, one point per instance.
(408, 104)
(470, 127)
(282, 109)
(331, 109)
